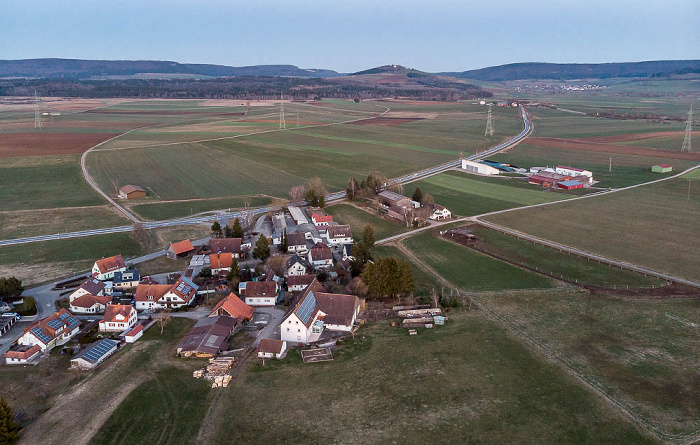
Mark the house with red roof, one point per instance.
(104, 269)
(180, 249)
(233, 306)
(320, 219)
(89, 304)
(151, 297)
(21, 354)
(221, 263)
(54, 330)
(118, 318)
(261, 293)
(132, 192)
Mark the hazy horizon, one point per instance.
(352, 36)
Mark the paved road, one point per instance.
(225, 216)
(271, 330)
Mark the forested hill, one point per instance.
(90, 69)
(567, 71)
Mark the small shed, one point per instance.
(93, 355)
(662, 168)
(269, 348)
(134, 334)
(569, 185)
(180, 249)
(132, 192)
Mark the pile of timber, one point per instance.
(420, 313)
(216, 372)
(415, 306)
(417, 322)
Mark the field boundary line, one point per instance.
(556, 359)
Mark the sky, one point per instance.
(352, 35)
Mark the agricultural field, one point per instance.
(453, 384)
(469, 270)
(640, 352)
(556, 263)
(356, 218)
(654, 226)
(44, 261)
(176, 209)
(467, 195)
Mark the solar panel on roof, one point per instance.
(307, 308)
(39, 333)
(98, 350)
(55, 323)
(63, 316)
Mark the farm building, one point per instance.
(478, 167)
(132, 192)
(400, 213)
(21, 354)
(232, 306)
(180, 249)
(498, 166)
(662, 168)
(269, 348)
(338, 235)
(574, 172)
(392, 199)
(261, 293)
(298, 215)
(93, 355)
(6, 323)
(569, 185)
(208, 337)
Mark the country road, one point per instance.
(208, 219)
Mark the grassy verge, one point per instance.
(467, 382)
(357, 218)
(169, 210)
(470, 270)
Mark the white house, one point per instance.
(104, 269)
(296, 265)
(148, 296)
(134, 334)
(21, 354)
(296, 243)
(89, 304)
(221, 263)
(163, 296)
(261, 293)
(438, 212)
(321, 220)
(317, 311)
(118, 318)
(297, 283)
(269, 348)
(53, 330)
(479, 168)
(575, 172)
(320, 256)
(338, 235)
(92, 286)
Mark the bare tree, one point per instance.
(138, 233)
(358, 287)
(435, 297)
(277, 263)
(297, 193)
(428, 198)
(115, 186)
(163, 319)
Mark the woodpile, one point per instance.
(413, 313)
(417, 322)
(216, 372)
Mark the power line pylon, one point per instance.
(489, 123)
(37, 112)
(283, 125)
(688, 132)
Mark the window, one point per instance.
(287, 329)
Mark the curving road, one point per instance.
(208, 219)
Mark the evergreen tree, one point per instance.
(351, 189)
(388, 277)
(10, 287)
(9, 429)
(322, 201)
(368, 236)
(216, 229)
(262, 248)
(237, 230)
(418, 195)
(228, 232)
(235, 273)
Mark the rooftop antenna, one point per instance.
(283, 125)
(489, 123)
(688, 131)
(37, 113)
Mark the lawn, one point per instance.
(422, 280)
(467, 195)
(642, 353)
(554, 262)
(469, 270)
(466, 382)
(357, 218)
(18, 224)
(169, 210)
(655, 226)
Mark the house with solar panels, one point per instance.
(151, 297)
(93, 355)
(53, 330)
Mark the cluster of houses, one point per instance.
(404, 209)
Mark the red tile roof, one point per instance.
(131, 188)
(234, 307)
(221, 260)
(151, 292)
(270, 346)
(181, 247)
(114, 310)
(320, 254)
(87, 301)
(260, 289)
(226, 245)
(318, 218)
(135, 330)
(339, 308)
(664, 165)
(110, 264)
(22, 352)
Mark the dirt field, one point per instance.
(633, 137)
(71, 124)
(44, 144)
(586, 145)
(387, 121)
(54, 103)
(163, 112)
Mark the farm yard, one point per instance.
(654, 226)
(356, 218)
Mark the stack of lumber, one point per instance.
(421, 322)
(221, 381)
(415, 313)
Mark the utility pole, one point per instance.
(283, 125)
(37, 112)
(489, 123)
(297, 115)
(688, 131)
(610, 167)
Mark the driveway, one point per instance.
(273, 316)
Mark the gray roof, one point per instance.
(97, 351)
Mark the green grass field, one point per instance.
(169, 210)
(422, 280)
(357, 218)
(470, 270)
(466, 382)
(642, 353)
(16, 224)
(654, 226)
(467, 195)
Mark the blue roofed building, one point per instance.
(53, 330)
(93, 355)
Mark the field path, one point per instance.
(554, 357)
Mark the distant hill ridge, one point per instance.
(86, 69)
(568, 71)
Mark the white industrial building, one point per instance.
(479, 168)
(575, 172)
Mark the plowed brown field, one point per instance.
(588, 145)
(47, 144)
(634, 137)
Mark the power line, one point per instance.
(283, 125)
(688, 131)
(37, 112)
(489, 123)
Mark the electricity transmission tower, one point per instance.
(37, 112)
(688, 131)
(283, 125)
(489, 123)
